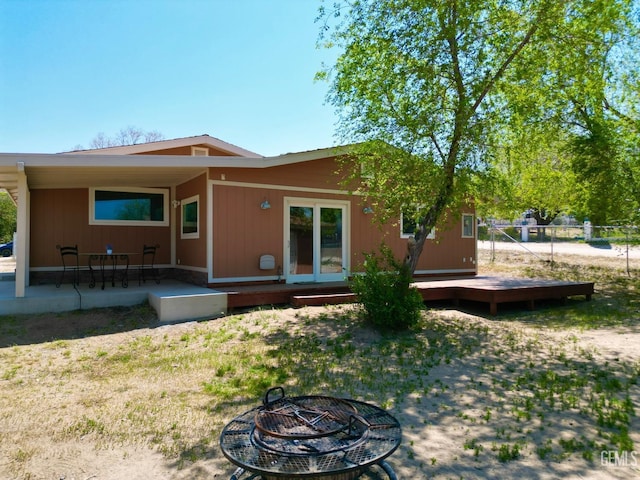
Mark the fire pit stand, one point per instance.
(310, 437)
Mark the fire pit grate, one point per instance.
(312, 437)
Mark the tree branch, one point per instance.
(437, 145)
(634, 123)
(453, 47)
(500, 72)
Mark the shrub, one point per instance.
(384, 290)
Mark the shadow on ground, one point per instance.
(48, 327)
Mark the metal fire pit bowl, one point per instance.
(310, 437)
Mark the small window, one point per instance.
(366, 171)
(190, 217)
(129, 206)
(199, 152)
(467, 226)
(408, 224)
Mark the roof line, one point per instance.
(164, 144)
(79, 159)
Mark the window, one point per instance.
(467, 226)
(129, 206)
(408, 224)
(190, 217)
(366, 171)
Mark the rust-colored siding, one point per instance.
(192, 252)
(242, 231)
(313, 174)
(213, 152)
(61, 217)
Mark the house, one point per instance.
(222, 215)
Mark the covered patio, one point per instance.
(173, 300)
(68, 171)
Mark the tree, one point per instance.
(621, 102)
(597, 167)
(592, 129)
(593, 113)
(126, 136)
(533, 172)
(433, 78)
(8, 216)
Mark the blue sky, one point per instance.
(239, 70)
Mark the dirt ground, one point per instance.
(54, 459)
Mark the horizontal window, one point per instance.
(129, 206)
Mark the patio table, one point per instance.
(103, 259)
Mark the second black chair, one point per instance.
(148, 263)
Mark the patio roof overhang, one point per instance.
(91, 170)
(9, 181)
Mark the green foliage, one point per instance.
(507, 452)
(385, 292)
(443, 83)
(7, 218)
(532, 171)
(578, 101)
(597, 166)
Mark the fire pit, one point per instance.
(310, 437)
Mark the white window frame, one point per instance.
(199, 152)
(317, 204)
(139, 223)
(194, 199)
(472, 224)
(431, 236)
(366, 172)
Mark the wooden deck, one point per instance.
(490, 290)
(282, 293)
(496, 290)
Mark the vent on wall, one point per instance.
(199, 152)
(267, 262)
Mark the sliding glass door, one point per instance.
(316, 241)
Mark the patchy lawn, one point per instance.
(109, 394)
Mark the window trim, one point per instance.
(193, 199)
(199, 152)
(473, 230)
(431, 236)
(136, 223)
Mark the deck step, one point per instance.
(177, 307)
(322, 299)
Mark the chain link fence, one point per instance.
(552, 242)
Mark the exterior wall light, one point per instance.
(265, 205)
(367, 210)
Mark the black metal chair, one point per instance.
(70, 262)
(148, 263)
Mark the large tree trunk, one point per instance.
(443, 198)
(428, 223)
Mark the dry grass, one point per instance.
(520, 395)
